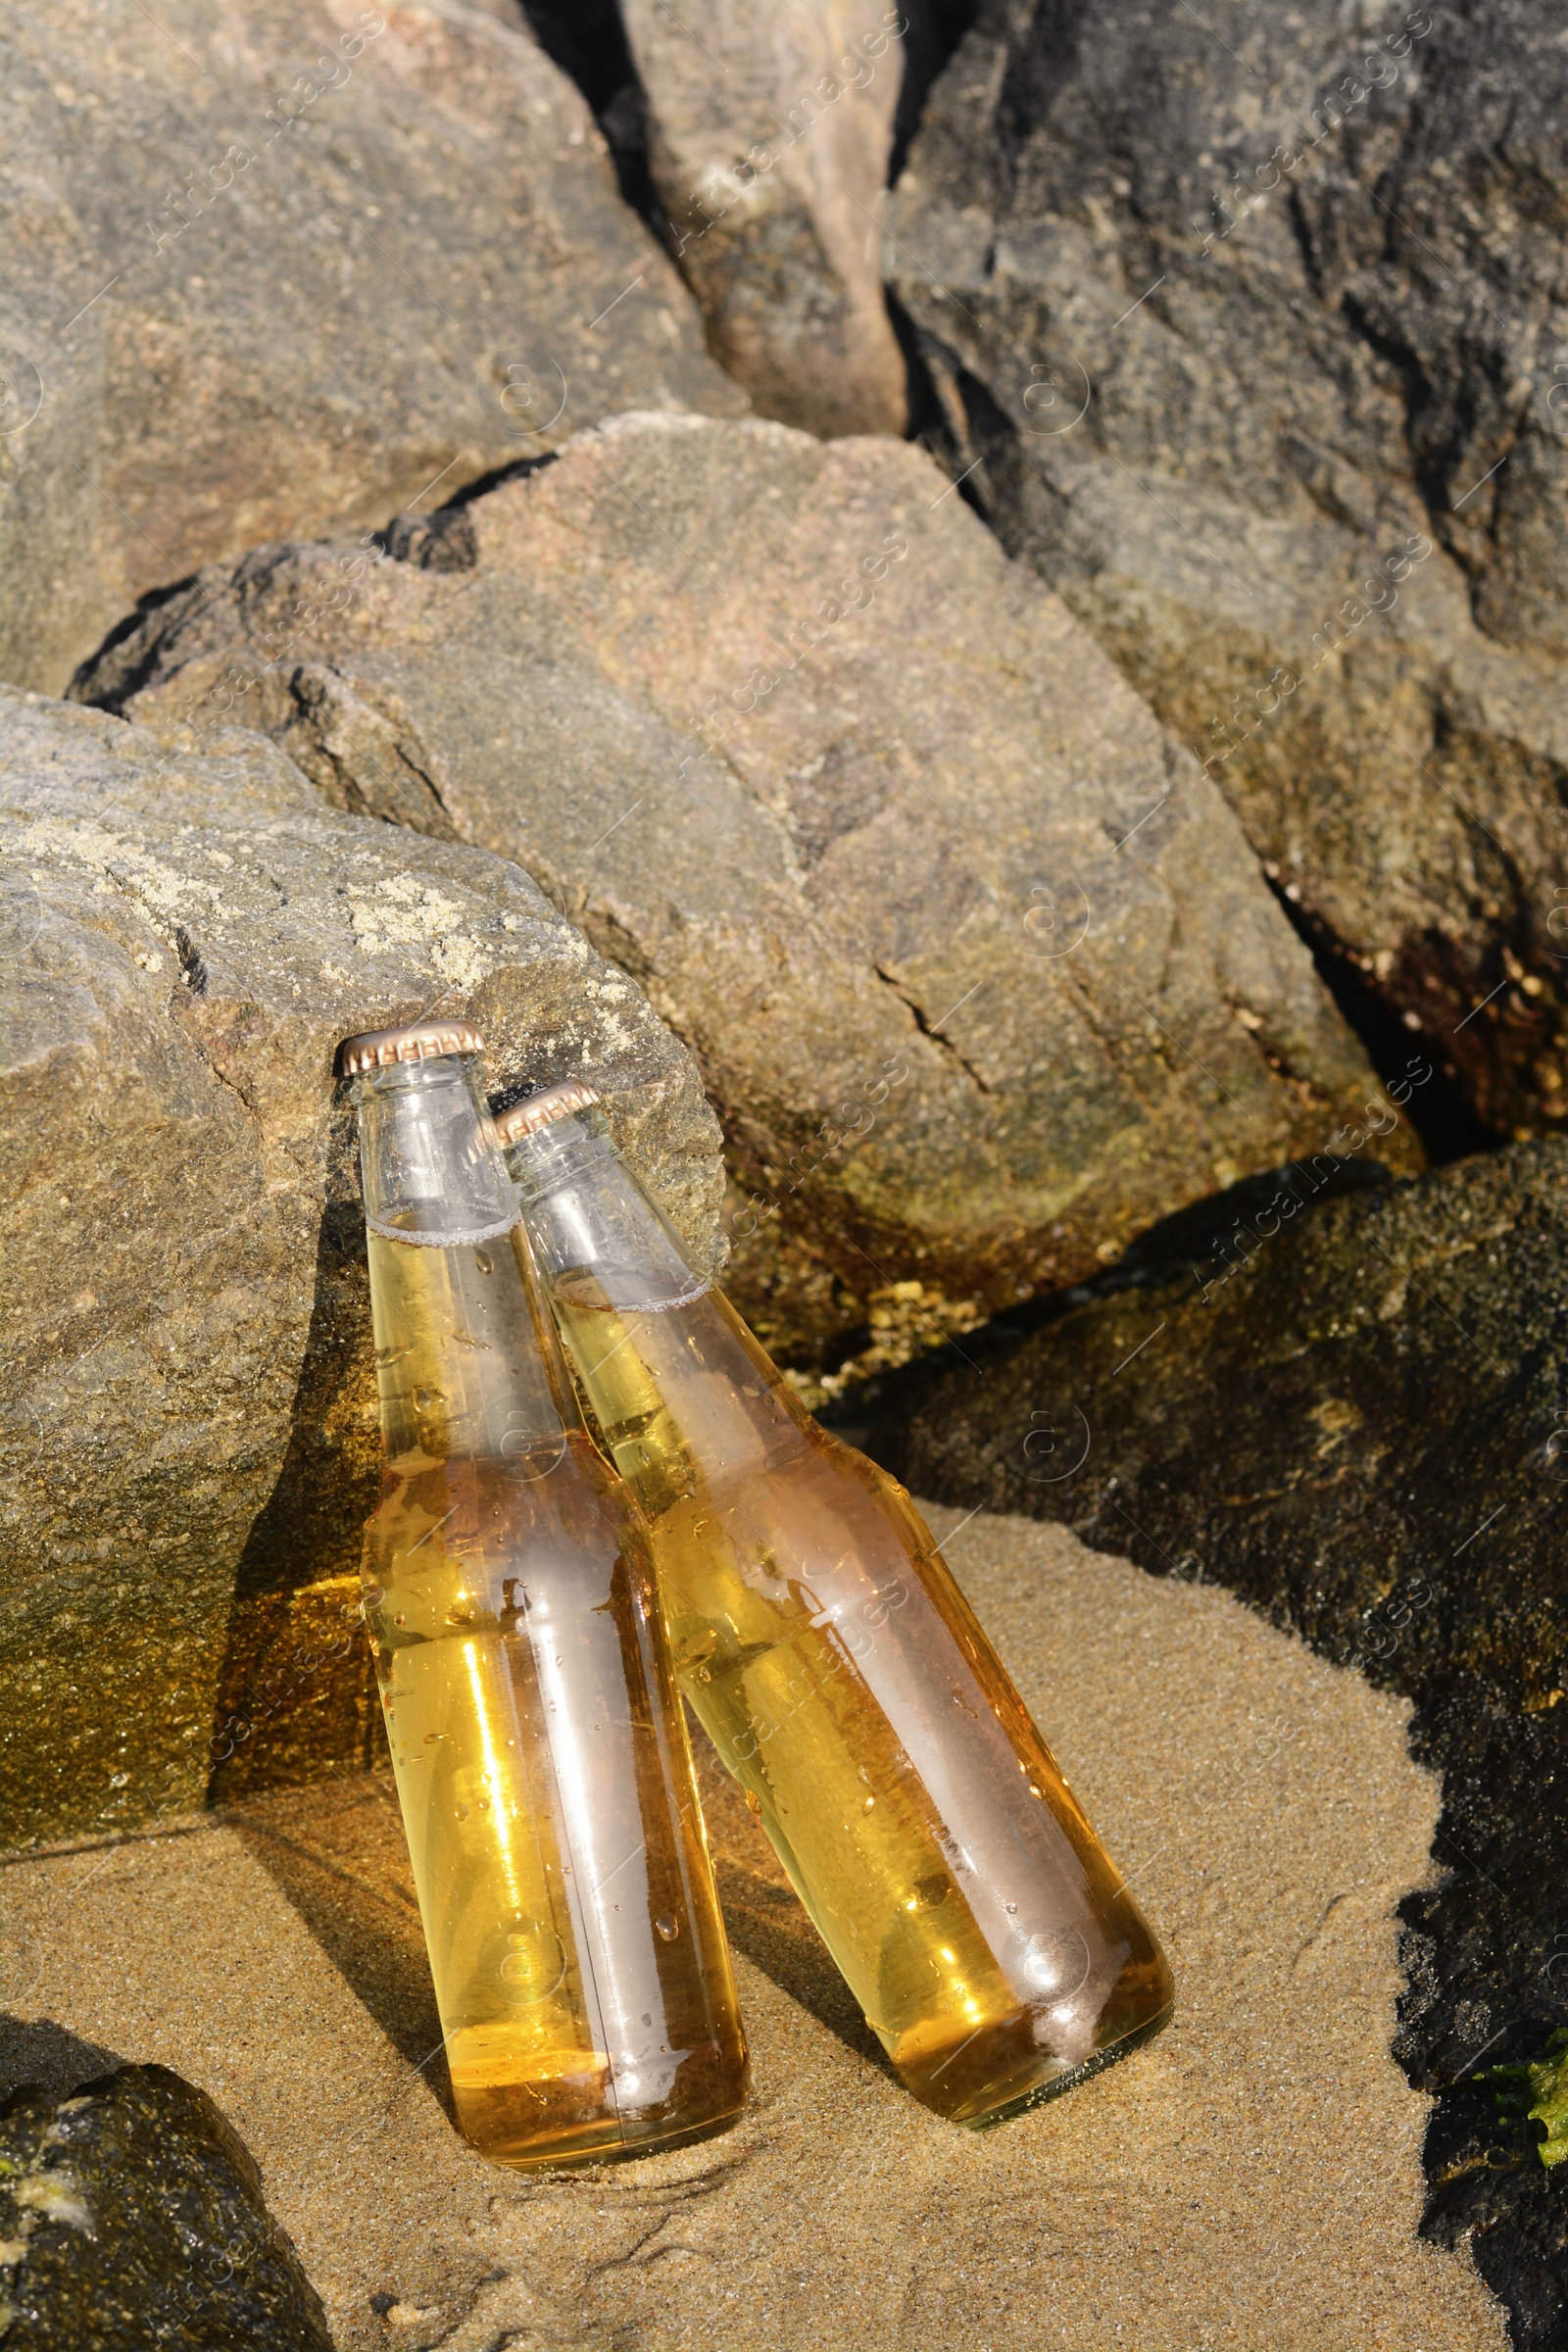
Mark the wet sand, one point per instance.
(1251, 2178)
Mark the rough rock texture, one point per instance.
(976, 964)
(280, 267)
(1353, 1415)
(1260, 329)
(1251, 2178)
(134, 2215)
(188, 1392)
(770, 128)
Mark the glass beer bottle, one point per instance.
(838, 1670)
(581, 1967)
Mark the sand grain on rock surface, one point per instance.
(1251, 2178)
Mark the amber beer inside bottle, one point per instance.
(838, 1670)
(578, 1957)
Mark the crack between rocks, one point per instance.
(227, 1083)
(351, 781)
(428, 779)
(923, 1024)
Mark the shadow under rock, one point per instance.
(296, 1694)
(336, 1850)
(36, 2050)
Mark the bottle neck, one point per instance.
(685, 1398)
(468, 1358)
(429, 1164)
(583, 1209)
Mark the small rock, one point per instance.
(134, 2215)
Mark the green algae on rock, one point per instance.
(1543, 2079)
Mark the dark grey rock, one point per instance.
(271, 270)
(131, 2215)
(190, 1425)
(1259, 328)
(1355, 1415)
(977, 966)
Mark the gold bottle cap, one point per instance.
(422, 1041)
(553, 1102)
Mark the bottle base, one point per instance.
(657, 2139)
(1095, 2064)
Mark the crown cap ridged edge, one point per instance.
(420, 1041)
(541, 1110)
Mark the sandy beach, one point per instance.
(1251, 2178)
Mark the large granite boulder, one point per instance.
(273, 267)
(189, 1390)
(1256, 329)
(1352, 1412)
(976, 964)
(770, 127)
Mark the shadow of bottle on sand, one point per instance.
(336, 1850)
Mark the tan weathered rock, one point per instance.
(273, 267)
(975, 962)
(1257, 342)
(189, 1390)
(770, 124)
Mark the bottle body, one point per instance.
(575, 1944)
(846, 1684)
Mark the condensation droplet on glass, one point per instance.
(869, 1802)
(484, 1262)
(754, 1803)
(667, 1926)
